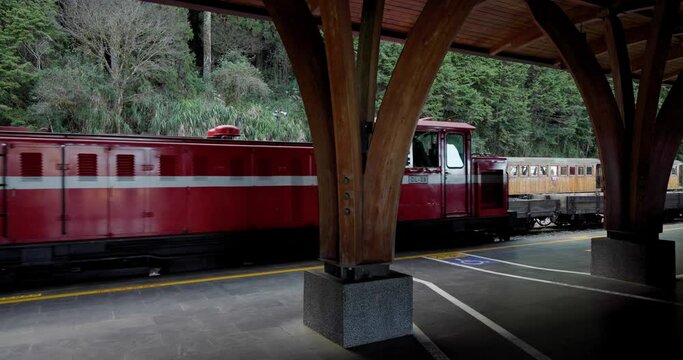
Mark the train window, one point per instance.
(673, 171)
(200, 166)
(572, 170)
(581, 170)
(563, 171)
(589, 170)
(553, 170)
(455, 150)
(125, 165)
(512, 170)
(425, 149)
(544, 170)
(31, 164)
(533, 170)
(236, 167)
(167, 165)
(524, 170)
(87, 164)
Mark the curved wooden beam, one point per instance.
(597, 95)
(643, 217)
(300, 35)
(621, 70)
(422, 55)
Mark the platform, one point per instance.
(526, 299)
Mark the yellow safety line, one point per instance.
(35, 297)
(38, 296)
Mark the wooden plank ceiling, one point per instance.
(502, 29)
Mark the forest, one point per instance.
(102, 66)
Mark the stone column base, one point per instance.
(651, 263)
(358, 313)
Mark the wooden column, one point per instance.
(300, 35)
(637, 146)
(422, 55)
(361, 204)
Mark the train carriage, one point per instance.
(77, 199)
(568, 191)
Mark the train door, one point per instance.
(3, 190)
(455, 175)
(422, 189)
(166, 210)
(598, 177)
(86, 191)
(127, 191)
(34, 192)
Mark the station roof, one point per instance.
(503, 29)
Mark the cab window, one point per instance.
(424, 151)
(455, 151)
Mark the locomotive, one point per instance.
(90, 200)
(568, 191)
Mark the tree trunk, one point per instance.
(206, 45)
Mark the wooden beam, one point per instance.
(671, 75)
(670, 117)
(621, 71)
(632, 36)
(644, 130)
(532, 33)
(300, 35)
(597, 95)
(368, 59)
(341, 68)
(422, 55)
(675, 52)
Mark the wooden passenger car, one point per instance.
(538, 175)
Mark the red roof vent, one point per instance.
(223, 132)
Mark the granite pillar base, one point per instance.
(360, 312)
(651, 263)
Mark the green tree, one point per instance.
(27, 29)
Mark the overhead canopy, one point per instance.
(502, 28)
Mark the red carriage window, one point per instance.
(31, 164)
(87, 164)
(236, 167)
(167, 165)
(125, 165)
(200, 166)
(264, 167)
(572, 170)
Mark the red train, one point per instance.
(71, 199)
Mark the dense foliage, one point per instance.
(123, 66)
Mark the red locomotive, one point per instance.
(75, 198)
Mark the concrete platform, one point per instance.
(495, 301)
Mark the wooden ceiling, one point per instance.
(502, 29)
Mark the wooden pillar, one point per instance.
(637, 146)
(361, 204)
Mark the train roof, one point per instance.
(429, 124)
(551, 160)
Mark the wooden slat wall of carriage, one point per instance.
(536, 175)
